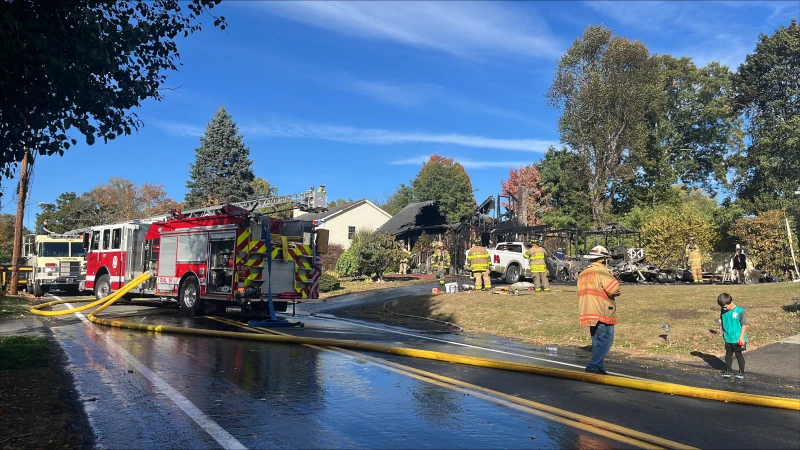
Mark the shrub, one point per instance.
(765, 240)
(328, 282)
(347, 264)
(329, 259)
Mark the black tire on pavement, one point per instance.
(189, 297)
(37, 290)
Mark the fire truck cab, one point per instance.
(57, 262)
(232, 257)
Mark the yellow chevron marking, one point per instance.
(243, 237)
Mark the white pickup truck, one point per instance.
(510, 265)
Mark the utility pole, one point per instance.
(22, 197)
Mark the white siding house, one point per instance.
(343, 221)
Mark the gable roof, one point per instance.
(415, 216)
(336, 210)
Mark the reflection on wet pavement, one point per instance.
(279, 396)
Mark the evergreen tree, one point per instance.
(222, 172)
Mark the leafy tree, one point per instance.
(767, 92)
(117, 201)
(83, 66)
(604, 86)
(7, 237)
(693, 128)
(222, 170)
(562, 175)
(399, 199)
(263, 188)
(766, 241)
(664, 236)
(69, 212)
(340, 202)
(446, 181)
(537, 200)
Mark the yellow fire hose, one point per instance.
(610, 380)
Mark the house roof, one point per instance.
(338, 210)
(415, 216)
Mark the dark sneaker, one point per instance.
(726, 374)
(740, 376)
(596, 371)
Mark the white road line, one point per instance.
(474, 346)
(225, 439)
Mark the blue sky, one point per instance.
(357, 95)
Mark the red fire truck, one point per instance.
(213, 257)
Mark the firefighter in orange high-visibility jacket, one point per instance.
(440, 262)
(597, 308)
(535, 255)
(478, 260)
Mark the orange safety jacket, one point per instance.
(478, 259)
(536, 256)
(597, 288)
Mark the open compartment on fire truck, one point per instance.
(221, 247)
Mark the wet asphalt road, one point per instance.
(154, 390)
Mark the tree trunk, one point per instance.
(22, 195)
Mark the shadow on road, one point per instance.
(711, 360)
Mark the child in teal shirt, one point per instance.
(734, 326)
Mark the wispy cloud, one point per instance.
(724, 34)
(465, 29)
(467, 163)
(177, 129)
(353, 135)
(419, 94)
(386, 91)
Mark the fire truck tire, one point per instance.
(189, 297)
(37, 290)
(102, 287)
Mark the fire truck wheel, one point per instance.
(37, 290)
(102, 287)
(191, 303)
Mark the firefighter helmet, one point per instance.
(599, 252)
(477, 241)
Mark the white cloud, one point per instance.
(418, 94)
(467, 163)
(176, 128)
(706, 31)
(390, 137)
(465, 29)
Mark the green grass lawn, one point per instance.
(349, 287)
(552, 318)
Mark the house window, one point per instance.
(351, 231)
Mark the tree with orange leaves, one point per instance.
(118, 200)
(537, 199)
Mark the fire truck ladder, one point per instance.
(309, 201)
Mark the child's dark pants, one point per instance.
(730, 349)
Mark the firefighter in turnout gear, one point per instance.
(535, 255)
(440, 262)
(695, 259)
(597, 307)
(478, 260)
(404, 259)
